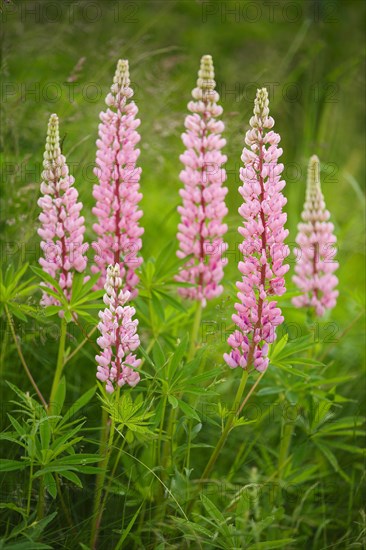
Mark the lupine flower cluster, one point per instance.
(315, 266)
(62, 230)
(119, 336)
(201, 230)
(263, 248)
(117, 193)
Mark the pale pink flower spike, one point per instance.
(117, 193)
(201, 230)
(119, 336)
(62, 230)
(315, 264)
(263, 247)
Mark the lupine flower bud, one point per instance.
(315, 265)
(201, 230)
(117, 193)
(263, 247)
(62, 230)
(119, 336)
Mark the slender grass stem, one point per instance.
(59, 366)
(22, 360)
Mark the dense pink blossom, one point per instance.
(263, 247)
(315, 264)
(117, 193)
(62, 229)
(201, 230)
(119, 336)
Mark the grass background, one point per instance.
(310, 54)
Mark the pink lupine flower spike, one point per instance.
(117, 193)
(62, 230)
(201, 230)
(119, 336)
(263, 248)
(315, 266)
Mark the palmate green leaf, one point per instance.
(288, 368)
(16, 310)
(187, 410)
(48, 279)
(59, 397)
(216, 515)
(71, 476)
(158, 308)
(171, 301)
(158, 355)
(78, 405)
(177, 356)
(276, 350)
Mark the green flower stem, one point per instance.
(59, 366)
(22, 360)
(41, 501)
(228, 426)
(195, 331)
(30, 488)
(106, 450)
(80, 346)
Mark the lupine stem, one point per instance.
(59, 366)
(195, 331)
(229, 423)
(80, 346)
(22, 360)
(98, 502)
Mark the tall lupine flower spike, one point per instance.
(263, 247)
(62, 230)
(119, 336)
(117, 193)
(201, 228)
(315, 266)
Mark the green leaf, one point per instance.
(271, 544)
(50, 484)
(45, 433)
(173, 401)
(79, 404)
(11, 465)
(128, 528)
(188, 410)
(59, 397)
(158, 308)
(178, 356)
(71, 476)
(158, 355)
